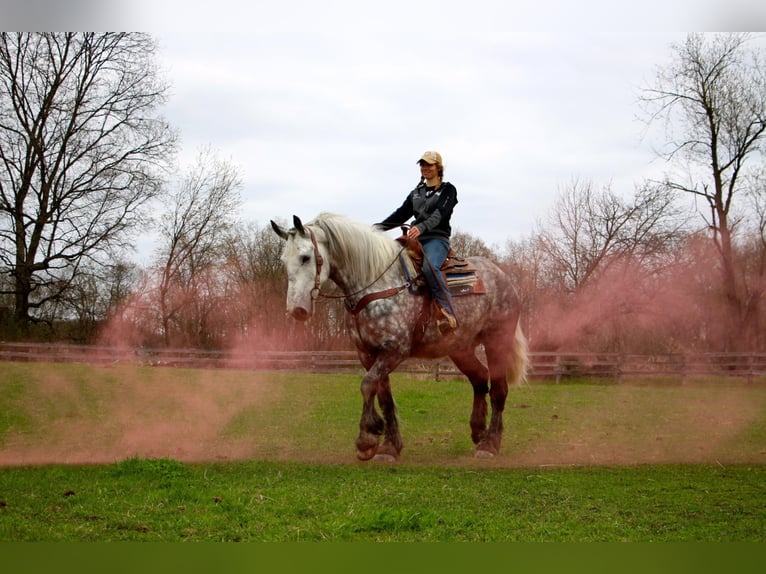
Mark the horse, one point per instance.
(387, 323)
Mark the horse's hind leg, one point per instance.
(478, 375)
(498, 392)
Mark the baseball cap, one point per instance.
(432, 157)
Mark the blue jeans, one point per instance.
(435, 252)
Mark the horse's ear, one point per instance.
(278, 230)
(298, 225)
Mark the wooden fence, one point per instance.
(558, 366)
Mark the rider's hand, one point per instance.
(413, 233)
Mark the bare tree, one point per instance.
(466, 245)
(589, 230)
(81, 150)
(257, 279)
(95, 292)
(524, 261)
(593, 267)
(757, 196)
(253, 253)
(194, 232)
(570, 239)
(754, 259)
(712, 98)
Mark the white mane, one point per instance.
(363, 251)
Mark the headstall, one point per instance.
(318, 260)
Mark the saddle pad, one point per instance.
(465, 283)
(457, 283)
(461, 275)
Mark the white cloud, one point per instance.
(334, 118)
(327, 105)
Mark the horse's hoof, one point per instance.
(382, 457)
(366, 454)
(484, 454)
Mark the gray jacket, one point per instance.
(430, 208)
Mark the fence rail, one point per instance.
(548, 365)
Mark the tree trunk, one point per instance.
(23, 280)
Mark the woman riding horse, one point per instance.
(431, 204)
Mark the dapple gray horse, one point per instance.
(387, 324)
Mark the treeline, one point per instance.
(652, 292)
(674, 264)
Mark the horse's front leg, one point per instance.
(392, 445)
(371, 425)
(375, 384)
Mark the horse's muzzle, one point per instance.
(300, 314)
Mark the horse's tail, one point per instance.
(519, 358)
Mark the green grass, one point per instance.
(164, 500)
(138, 453)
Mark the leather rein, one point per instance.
(366, 299)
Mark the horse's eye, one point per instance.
(305, 259)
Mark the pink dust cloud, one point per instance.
(240, 318)
(625, 309)
(142, 412)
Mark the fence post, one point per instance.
(617, 368)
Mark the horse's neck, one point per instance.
(363, 264)
(355, 287)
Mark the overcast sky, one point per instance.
(327, 105)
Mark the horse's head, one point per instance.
(306, 262)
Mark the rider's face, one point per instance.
(428, 170)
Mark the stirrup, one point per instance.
(447, 323)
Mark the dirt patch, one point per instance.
(694, 425)
(151, 413)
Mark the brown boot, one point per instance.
(446, 323)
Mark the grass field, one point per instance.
(138, 453)
(165, 500)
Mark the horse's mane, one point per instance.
(359, 248)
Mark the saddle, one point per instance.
(461, 276)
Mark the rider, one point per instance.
(431, 204)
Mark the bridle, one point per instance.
(364, 301)
(318, 262)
